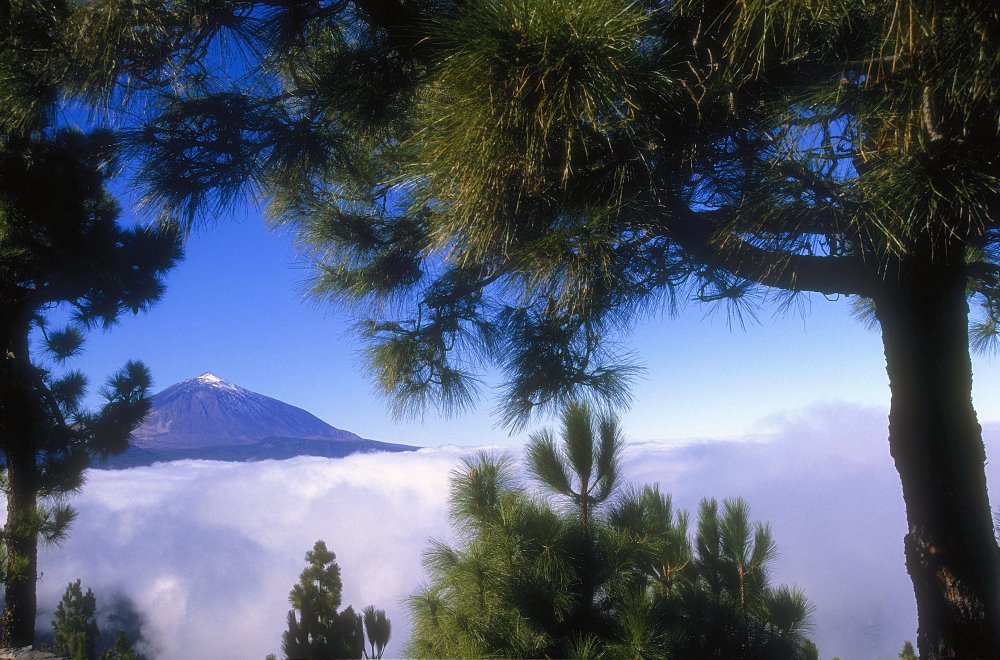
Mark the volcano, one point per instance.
(210, 418)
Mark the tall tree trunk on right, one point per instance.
(936, 442)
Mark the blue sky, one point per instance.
(236, 306)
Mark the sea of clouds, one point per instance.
(205, 552)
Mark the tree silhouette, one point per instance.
(378, 629)
(62, 247)
(62, 250)
(319, 631)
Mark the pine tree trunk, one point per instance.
(18, 437)
(17, 625)
(936, 442)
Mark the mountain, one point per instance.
(208, 411)
(210, 418)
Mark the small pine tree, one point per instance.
(74, 624)
(908, 652)
(76, 630)
(319, 631)
(122, 650)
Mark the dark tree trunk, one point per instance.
(19, 431)
(17, 624)
(936, 442)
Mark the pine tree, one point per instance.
(738, 613)
(122, 649)
(522, 582)
(76, 630)
(319, 631)
(907, 653)
(592, 460)
(74, 624)
(62, 249)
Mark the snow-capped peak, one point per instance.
(208, 378)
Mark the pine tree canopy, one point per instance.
(76, 631)
(512, 182)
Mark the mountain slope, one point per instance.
(210, 418)
(208, 411)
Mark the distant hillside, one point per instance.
(210, 418)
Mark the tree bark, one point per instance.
(17, 623)
(936, 443)
(18, 438)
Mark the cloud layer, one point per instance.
(207, 552)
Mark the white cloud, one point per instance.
(208, 551)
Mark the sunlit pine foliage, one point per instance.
(521, 580)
